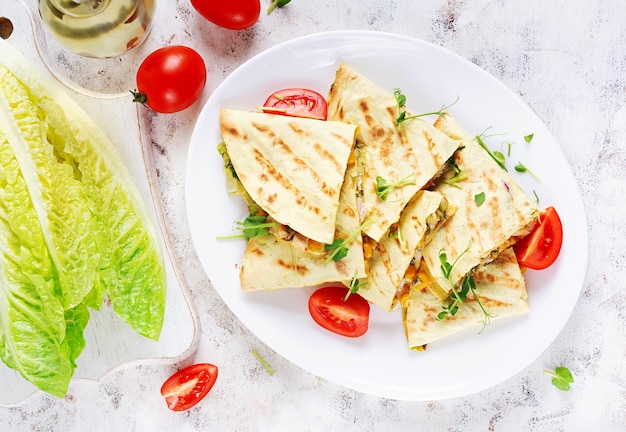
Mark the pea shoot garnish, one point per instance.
(457, 298)
(401, 108)
(520, 167)
(561, 378)
(277, 4)
(251, 226)
(383, 188)
(338, 249)
(355, 284)
(479, 198)
(261, 360)
(496, 155)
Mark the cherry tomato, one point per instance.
(348, 317)
(230, 14)
(297, 102)
(539, 249)
(188, 386)
(170, 79)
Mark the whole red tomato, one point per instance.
(230, 14)
(170, 79)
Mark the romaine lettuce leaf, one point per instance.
(73, 229)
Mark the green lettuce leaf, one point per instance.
(74, 229)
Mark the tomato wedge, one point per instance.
(188, 386)
(349, 317)
(297, 102)
(539, 249)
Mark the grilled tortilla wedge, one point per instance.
(475, 234)
(414, 151)
(293, 168)
(270, 263)
(391, 257)
(500, 287)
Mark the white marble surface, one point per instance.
(566, 59)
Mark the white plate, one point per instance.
(379, 363)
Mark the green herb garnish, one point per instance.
(497, 156)
(520, 167)
(277, 4)
(262, 361)
(479, 199)
(401, 108)
(355, 284)
(536, 196)
(338, 249)
(528, 138)
(468, 285)
(561, 378)
(383, 188)
(252, 226)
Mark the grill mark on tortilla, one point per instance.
(300, 269)
(264, 129)
(327, 155)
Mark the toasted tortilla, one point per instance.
(484, 230)
(270, 263)
(415, 150)
(500, 286)
(293, 168)
(393, 254)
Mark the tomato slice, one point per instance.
(297, 102)
(188, 386)
(349, 317)
(539, 249)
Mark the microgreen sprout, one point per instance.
(252, 226)
(536, 196)
(262, 361)
(479, 198)
(458, 297)
(520, 167)
(383, 188)
(338, 249)
(561, 378)
(528, 138)
(401, 108)
(496, 155)
(355, 284)
(277, 4)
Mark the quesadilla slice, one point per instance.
(293, 168)
(271, 263)
(500, 287)
(408, 155)
(402, 244)
(477, 232)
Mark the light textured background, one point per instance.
(566, 59)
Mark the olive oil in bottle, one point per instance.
(98, 28)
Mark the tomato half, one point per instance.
(345, 317)
(170, 79)
(539, 249)
(230, 14)
(297, 102)
(188, 386)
